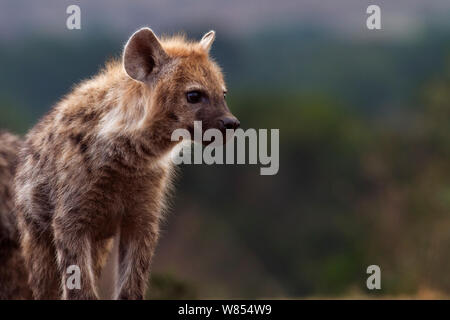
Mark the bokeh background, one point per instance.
(364, 139)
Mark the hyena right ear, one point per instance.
(143, 55)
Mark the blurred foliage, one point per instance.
(166, 286)
(13, 117)
(364, 173)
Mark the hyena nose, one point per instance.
(229, 123)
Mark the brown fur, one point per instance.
(13, 276)
(96, 166)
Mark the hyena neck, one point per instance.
(131, 121)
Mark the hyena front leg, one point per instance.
(39, 255)
(105, 255)
(138, 239)
(73, 247)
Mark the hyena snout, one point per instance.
(222, 123)
(228, 122)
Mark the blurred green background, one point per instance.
(364, 140)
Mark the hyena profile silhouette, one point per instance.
(96, 167)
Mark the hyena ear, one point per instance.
(208, 40)
(143, 55)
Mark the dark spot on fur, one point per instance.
(83, 147)
(172, 116)
(77, 140)
(87, 117)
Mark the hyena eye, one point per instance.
(224, 94)
(194, 96)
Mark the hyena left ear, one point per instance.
(208, 40)
(143, 55)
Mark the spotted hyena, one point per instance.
(96, 167)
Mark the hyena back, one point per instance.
(13, 276)
(96, 166)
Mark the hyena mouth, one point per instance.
(217, 134)
(227, 126)
(228, 122)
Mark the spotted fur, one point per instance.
(13, 276)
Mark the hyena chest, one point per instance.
(130, 196)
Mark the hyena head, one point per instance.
(186, 84)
